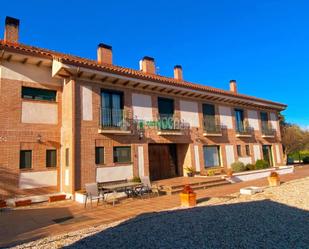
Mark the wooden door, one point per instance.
(159, 161)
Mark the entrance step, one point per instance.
(174, 187)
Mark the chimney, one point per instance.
(233, 86)
(105, 54)
(147, 65)
(178, 72)
(11, 29)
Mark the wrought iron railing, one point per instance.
(244, 131)
(169, 122)
(268, 131)
(113, 119)
(211, 126)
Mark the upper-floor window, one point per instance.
(248, 150)
(111, 108)
(209, 116)
(165, 107)
(38, 94)
(264, 120)
(239, 118)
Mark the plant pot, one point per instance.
(190, 174)
(2, 204)
(188, 199)
(54, 198)
(273, 181)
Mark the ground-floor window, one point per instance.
(122, 154)
(248, 150)
(25, 161)
(99, 155)
(51, 158)
(211, 156)
(238, 147)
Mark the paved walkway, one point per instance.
(26, 224)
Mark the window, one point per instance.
(38, 94)
(264, 120)
(248, 150)
(239, 117)
(122, 154)
(166, 106)
(166, 113)
(209, 116)
(67, 159)
(51, 158)
(211, 156)
(112, 108)
(239, 150)
(99, 155)
(25, 161)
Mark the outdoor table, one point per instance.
(119, 186)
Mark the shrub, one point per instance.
(306, 159)
(261, 164)
(136, 179)
(238, 167)
(250, 166)
(211, 172)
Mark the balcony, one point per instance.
(212, 128)
(244, 132)
(113, 121)
(268, 132)
(169, 125)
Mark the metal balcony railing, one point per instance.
(113, 119)
(168, 122)
(244, 131)
(268, 131)
(212, 127)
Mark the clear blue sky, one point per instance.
(263, 44)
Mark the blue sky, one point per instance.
(263, 44)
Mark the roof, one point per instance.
(92, 64)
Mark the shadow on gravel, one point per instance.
(258, 224)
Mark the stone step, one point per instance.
(202, 182)
(168, 190)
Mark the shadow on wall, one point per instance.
(259, 224)
(8, 182)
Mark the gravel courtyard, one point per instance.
(276, 218)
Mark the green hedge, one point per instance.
(301, 155)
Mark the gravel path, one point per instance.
(276, 218)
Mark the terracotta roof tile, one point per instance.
(79, 61)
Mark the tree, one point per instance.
(294, 138)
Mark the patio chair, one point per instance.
(147, 188)
(93, 193)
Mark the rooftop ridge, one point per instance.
(73, 59)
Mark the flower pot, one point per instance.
(273, 181)
(54, 198)
(188, 199)
(23, 203)
(190, 174)
(2, 204)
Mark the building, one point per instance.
(66, 121)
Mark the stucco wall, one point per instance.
(253, 120)
(230, 157)
(38, 179)
(142, 106)
(39, 113)
(189, 112)
(86, 92)
(226, 116)
(116, 173)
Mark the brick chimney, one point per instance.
(105, 54)
(147, 65)
(233, 86)
(11, 29)
(178, 72)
